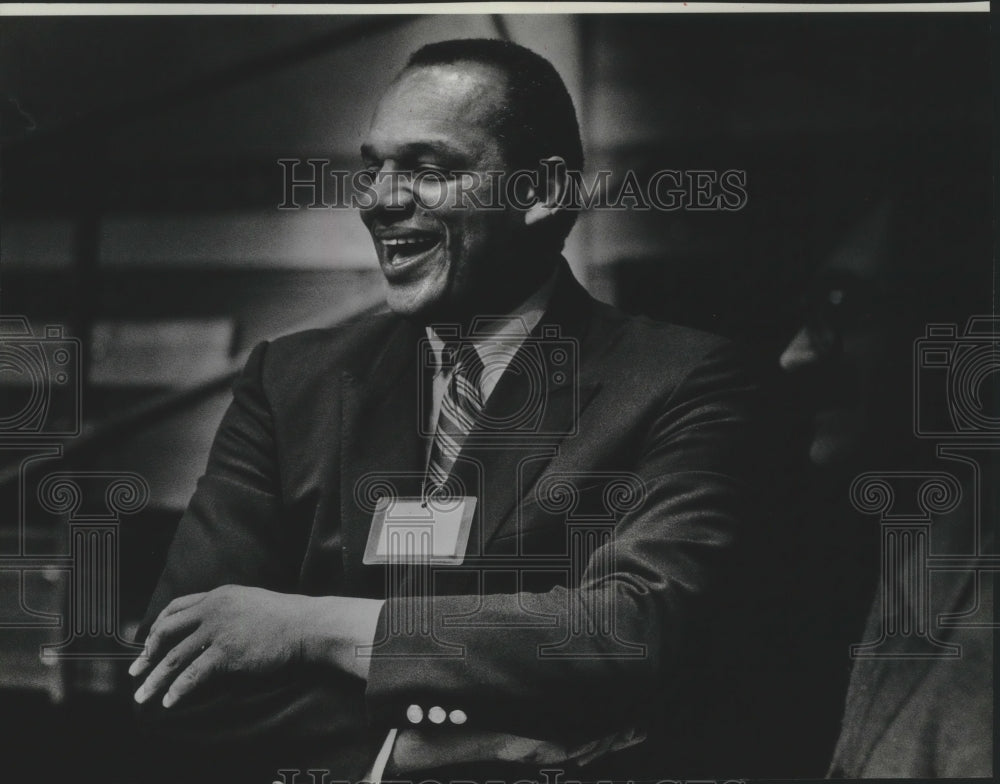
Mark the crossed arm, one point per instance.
(667, 552)
(256, 631)
(250, 630)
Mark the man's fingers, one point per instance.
(182, 603)
(196, 673)
(175, 662)
(162, 636)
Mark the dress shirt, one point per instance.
(497, 340)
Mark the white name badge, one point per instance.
(432, 530)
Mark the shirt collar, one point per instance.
(518, 323)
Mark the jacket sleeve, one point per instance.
(671, 559)
(232, 533)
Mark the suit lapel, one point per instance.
(382, 446)
(503, 471)
(534, 407)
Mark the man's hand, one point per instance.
(249, 630)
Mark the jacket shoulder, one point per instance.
(641, 336)
(340, 347)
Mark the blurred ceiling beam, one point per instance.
(205, 85)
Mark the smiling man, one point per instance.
(586, 595)
(445, 138)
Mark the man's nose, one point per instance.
(800, 352)
(392, 191)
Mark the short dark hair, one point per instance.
(538, 119)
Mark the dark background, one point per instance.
(139, 187)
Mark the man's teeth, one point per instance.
(407, 241)
(403, 248)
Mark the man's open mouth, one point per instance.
(402, 250)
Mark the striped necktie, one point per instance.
(460, 407)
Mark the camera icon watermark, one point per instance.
(41, 385)
(955, 402)
(40, 380)
(957, 381)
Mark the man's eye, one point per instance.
(369, 172)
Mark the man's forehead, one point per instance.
(462, 91)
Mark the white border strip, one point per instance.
(300, 9)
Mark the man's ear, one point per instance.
(553, 189)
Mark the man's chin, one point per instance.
(416, 302)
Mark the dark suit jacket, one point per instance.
(282, 505)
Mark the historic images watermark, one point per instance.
(313, 184)
(953, 407)
(42, 384)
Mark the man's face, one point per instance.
(845, 362)
(441, 255)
